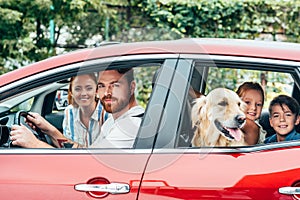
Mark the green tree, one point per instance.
(24, 28)
(231, 19)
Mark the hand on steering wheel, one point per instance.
(37, 132)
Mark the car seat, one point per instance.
(265, 123)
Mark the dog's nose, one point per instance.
(240, 119)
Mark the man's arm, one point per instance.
(57, 138)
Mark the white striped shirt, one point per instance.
(75, 130)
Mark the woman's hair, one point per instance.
(250, 86)
(290, 102)
(70, 98)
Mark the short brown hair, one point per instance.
(290, 102)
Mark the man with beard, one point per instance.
(116, 91)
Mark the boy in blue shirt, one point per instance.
(284, 116)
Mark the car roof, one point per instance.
(211, 46)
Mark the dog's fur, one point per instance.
(217, 119)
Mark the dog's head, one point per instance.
(220, 112)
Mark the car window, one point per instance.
(207, 77)
(25, 105)
(61, 99)
(49, 97)
(273, 83)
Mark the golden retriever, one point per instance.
(217, 119)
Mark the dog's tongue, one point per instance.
(236, 133)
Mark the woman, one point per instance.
(82, 122)
(85, 114)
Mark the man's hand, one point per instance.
(21, 136)
(34, 120)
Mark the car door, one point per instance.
(76, 173)
(70, 174)
(184, 172)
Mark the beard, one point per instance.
(116, 104)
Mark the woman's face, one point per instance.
(254, 101)
(84, 90)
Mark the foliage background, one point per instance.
(25, 24)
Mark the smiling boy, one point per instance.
(284, 116)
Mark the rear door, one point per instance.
(178, 171)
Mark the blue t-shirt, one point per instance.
(293, 135)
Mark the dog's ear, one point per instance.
(243, 106)
(199, 103)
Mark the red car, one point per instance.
(162, 164)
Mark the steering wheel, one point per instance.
(38, 133)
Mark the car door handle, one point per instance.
(112, 188)
(289, 190)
